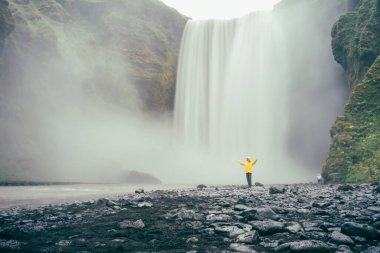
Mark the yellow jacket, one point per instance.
(248, 165)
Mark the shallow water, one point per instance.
(33, 196)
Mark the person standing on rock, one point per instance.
(248, 169)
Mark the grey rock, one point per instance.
(343, 249)
(144, 204)
(248, 237)
(373, 249)
(309, 246)
(356, 229)
(276, 190)
(184, 214)
(231, 231)
(140, 190)
(375, 209)
(345, 187)
(218, 217)
(10, 244)
(131, 224)
(259, 184)
(268, 227)
(294, 227)
(339, 238)
(192, 239)
(241, 207)
(266, 213)
(241, 248)
(63, 243)
(201, 187)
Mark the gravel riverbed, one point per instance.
(281, 218)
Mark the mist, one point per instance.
(70, 111)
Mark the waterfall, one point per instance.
(239, 80)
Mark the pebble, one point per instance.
(132, 224)
(339, 238)
(356, 229)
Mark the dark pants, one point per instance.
(249, 179)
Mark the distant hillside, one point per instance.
(135, 177)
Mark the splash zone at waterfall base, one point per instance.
(214, 219)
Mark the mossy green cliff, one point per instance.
(145, 34)
(354, 154)
(6, 23)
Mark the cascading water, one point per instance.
(237, 83)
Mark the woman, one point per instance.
(248, 169)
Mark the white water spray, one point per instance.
(236, 84)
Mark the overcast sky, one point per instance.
(219, 9)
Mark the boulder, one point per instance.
(248, 237)
(140, 190)
(268, 227)
(356, 229)
(276, 190)
(132, 224)
(345, 187)
(237, 247)
(339, 238)
(201, 186)
(307, 246)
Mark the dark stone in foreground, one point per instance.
(228, 219)
(355, 229)
(276, 190)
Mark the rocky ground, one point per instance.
(293, 218)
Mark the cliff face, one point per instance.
(145, 34)
(71, 65)
(354, 154)
(6, 23)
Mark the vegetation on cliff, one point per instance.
(145, 34)
(6, 23)
(354, 153)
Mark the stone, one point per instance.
(343, 249)
(201, 186)
(276, 190)
(10, 244)
(345, 187)
(218, 217)
(266, 213)
(132, 224)
(248, 237)
(63, 243)
(309, 246)
(376, 225)
(140, 190)
(375, 209)
(144, 204)
(339, 238)
(192, 239)
(230, 230)
(294, 227)
(268, 227)
(237, 247)
(356, 229)
(241, 207)
(259, 184)
(372, 249)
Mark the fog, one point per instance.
(264, 85)
(70, 112)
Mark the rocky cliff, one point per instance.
(354, 154)
(145, 34)
(6, 24)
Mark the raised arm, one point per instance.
(255, 162)
(240, 162)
